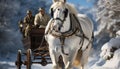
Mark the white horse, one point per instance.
(69, 35)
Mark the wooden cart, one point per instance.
(36, 49)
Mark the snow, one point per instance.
(109, 56)
(9, 63)
(106, 48)
(106, 51)
(113, 63)
(118, 33)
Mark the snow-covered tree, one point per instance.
(9, 41)
(108, 16)
(108, 34)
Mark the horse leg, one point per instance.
(85, 56)
(61, 63)
(68, 59)
(54, 57)
(81, 67)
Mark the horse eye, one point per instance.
(66, 11)
(58, 9)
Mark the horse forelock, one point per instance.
(58, 4)
(69, 6)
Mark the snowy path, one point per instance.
(11, 65)
(94, 62)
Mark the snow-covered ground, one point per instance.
(109, 55)
(96, 61)
(9, 63)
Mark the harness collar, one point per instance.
(74, 28)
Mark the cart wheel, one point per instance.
(19, 61)
(43, 61)
(29, 62)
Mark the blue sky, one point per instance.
(82, 2)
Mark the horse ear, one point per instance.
(66, 12)
(55, 1)
(63, 1)
(51, 12)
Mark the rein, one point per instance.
(59, 19)
(82, 35)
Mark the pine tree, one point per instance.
(108, 16)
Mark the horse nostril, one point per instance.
(55, 28)
(59, 28)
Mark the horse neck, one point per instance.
(66, 24)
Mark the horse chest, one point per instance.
(70, 42)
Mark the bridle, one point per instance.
(62, 21)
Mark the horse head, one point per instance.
(60, 15)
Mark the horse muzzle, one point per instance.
(57, 28)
